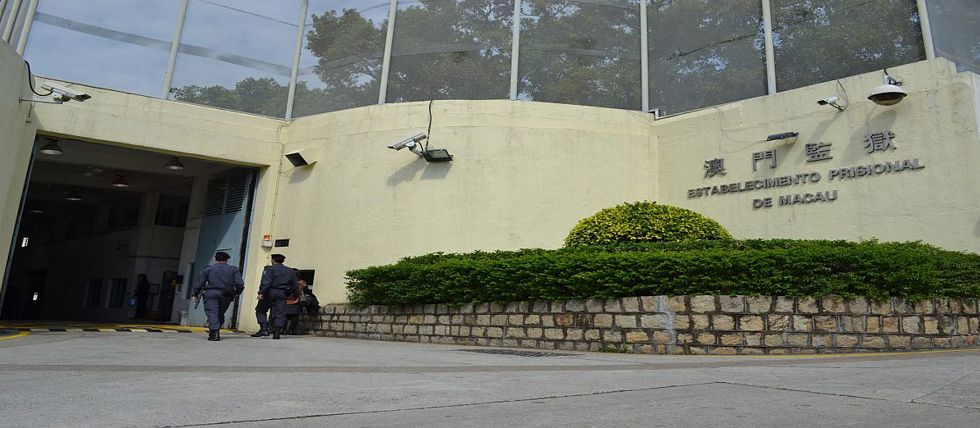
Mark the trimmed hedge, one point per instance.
(643, 221)
(870, 269)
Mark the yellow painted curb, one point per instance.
(19, 334)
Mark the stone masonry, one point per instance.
(721, 325)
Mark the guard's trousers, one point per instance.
(277, 299)
(215, 305)
(274, 299)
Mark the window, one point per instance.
(117, 294)
(705, 52)
(584, 52)
(821, 41)
(93, 293)
(451, 49)
(343, 48)
(237, 54)
(83, 41)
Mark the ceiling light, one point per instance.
(52, 148)
(35, 211)
(120, 181)
(174, 164)
(73, 196)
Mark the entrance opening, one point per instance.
(116, 235)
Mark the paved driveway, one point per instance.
(151, 379)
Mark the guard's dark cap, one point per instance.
(221, 256)
(278, 258)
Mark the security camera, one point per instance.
(65, 93)
(889, 93)
(831, 101)
(828, 100)
(408, 142)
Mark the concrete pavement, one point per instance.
(146, 379)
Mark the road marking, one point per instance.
(14, 336)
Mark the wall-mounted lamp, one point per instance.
(304, 157)
(437, 155)
(889, 93)
(174, 164)
(787, 137)
(120, 181)
(51, 148)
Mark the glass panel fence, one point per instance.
(237, 54)
(343, 47)
(956, 31)
(581, 52)
(451, 49)
(116, 44)
(12, 6)
(705, 52)
(821, 41)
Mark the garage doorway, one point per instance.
(117, 235)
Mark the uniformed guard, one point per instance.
(278, 281)
(219, 283)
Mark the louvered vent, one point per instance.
(226, 194)
(215, 204)
(237, 184)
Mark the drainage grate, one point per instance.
(517, 353)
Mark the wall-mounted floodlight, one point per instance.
(889, 93)
(304, 157)
(832, 101)
(788, 137)
(437, 155)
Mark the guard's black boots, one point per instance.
(275, 334)
(213, 335)
(217, 335)
(263, 330)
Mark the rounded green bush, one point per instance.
(644, 221)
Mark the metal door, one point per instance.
(223, 228)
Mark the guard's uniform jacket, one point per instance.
(277, 281)
(219, 283)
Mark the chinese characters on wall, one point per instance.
(814, 152)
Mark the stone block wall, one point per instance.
(722, 325)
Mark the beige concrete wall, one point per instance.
(936, 124)
(523, 174)
(16, 142)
